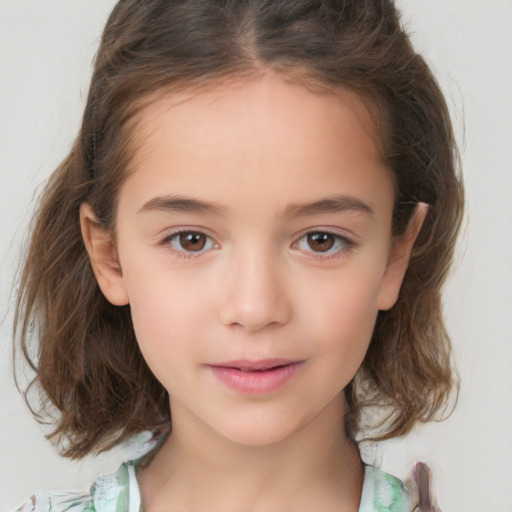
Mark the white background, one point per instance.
(46, 50)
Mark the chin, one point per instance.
(259, 432)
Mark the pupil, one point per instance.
(320, 242)
(192, 241)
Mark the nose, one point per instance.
(255, 293)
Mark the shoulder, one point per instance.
(116, 492)
(383, 492)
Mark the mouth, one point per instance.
(261, 365)
(255, 377)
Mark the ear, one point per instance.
(399, 259)
(103, 255)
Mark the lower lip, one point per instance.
(254, 382)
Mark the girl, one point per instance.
(232, 254)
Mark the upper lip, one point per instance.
(254, 364)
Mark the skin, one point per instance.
(254, 286)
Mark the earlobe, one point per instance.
(399, 259)
(103, 256)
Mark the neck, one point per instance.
(317, 467)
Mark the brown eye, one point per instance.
(192, 242)
(189, 243)
(320, 242)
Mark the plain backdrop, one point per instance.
(46, 50)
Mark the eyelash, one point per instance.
(342, 244)
(183, 253)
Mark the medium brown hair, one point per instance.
(88, 366)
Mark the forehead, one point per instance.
(265, 130)
(240, 100)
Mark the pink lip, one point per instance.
(255, 377)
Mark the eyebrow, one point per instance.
(182, 204)
(331, 204)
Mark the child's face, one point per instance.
(253, 233)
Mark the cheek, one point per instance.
(171, 314)
(344, 314)
(160, 311)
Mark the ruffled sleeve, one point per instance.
(58, 502)
(109, 493)
(383, 492)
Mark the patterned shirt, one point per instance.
(120, 492)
